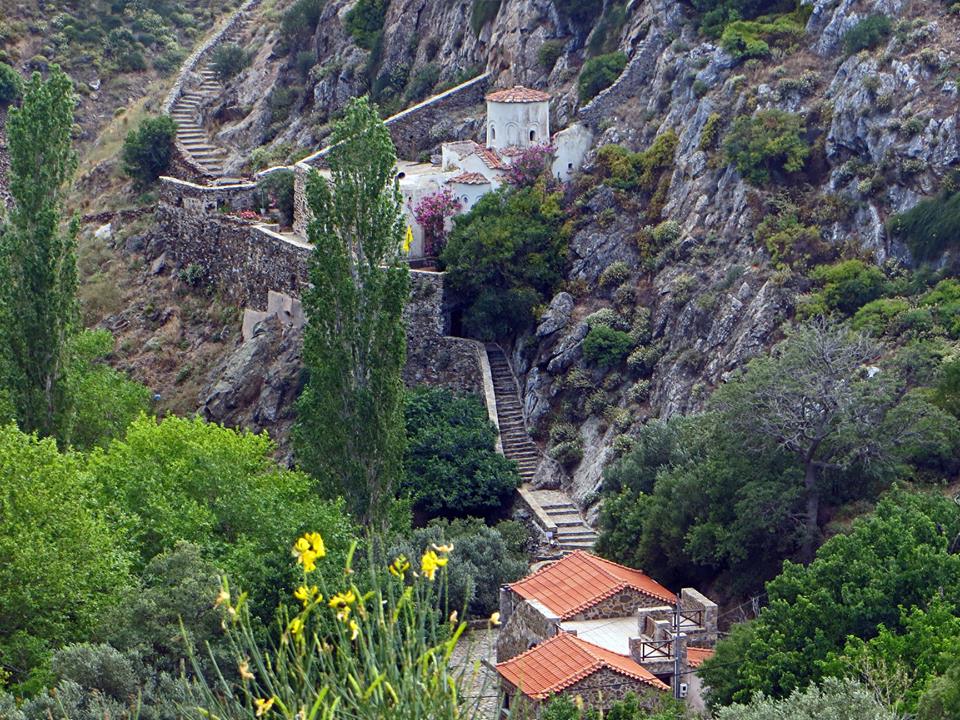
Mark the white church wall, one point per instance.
(571, 145)
(518, 124)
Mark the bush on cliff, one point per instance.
(772, 141)
(599, 73)
(148, 150)
(930, 227)
(11, 85)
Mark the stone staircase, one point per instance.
(572, 533)
(190, 130)
(186, 113)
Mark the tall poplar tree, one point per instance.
(38, 269)
(350, 431)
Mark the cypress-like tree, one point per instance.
(38, 269)
(350, 431)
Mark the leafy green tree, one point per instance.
(505, 257)
(451, 465)
(38, 269)
(769, 142)
(897, 557)
(813, 398)
(64, 562)
(947, 388)
(867, 34)
(103, 401)
(606, 347)
(833, 700)
(941, 701)
(846, 286)
(350, 431)
(11, 85)
(148, 150)
(180, 479)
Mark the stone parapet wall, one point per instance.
(524, 627)
(245, 261)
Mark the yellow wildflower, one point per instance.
(305, 553)
(354, 629)
(263, 706)
(342, 599)
(316, 543)
(399, 566)
(296, 626)
(430, 563)
(495, 619)
(446, 549)
(223, 598)
(308, 594)
(453, 617)
(245, 670)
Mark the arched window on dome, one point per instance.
(493, 133)
(533, 135)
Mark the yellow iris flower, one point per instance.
(308, 549)
(430, 563)
(306, 595)
(354, 629)
(399, 566)
(263, 706)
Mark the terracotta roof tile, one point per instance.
(490, 158)
(518, 94)
(564, 660)
(696, 656)
(469, 178)
(581, 580)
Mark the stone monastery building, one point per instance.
(517, 118)
(585, 626)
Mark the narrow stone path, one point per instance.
(573, 533)
(186, 113)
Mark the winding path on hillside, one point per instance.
(571, 531)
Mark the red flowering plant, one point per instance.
(431, 214)
(527, 168)
(248, 215)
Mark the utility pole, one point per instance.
(676, 649)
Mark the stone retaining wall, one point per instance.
(245, 261)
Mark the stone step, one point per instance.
(582, 533)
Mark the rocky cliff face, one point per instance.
(881, 125)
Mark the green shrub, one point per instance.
(300, 21)
(148, 150)
(666, 232)
(867, 34)
(228, 60)
(930, 227)
(715, 14)
(451, 467)
(422, 82)
(711, 132)
(849, 285)
(616, 273)
(606, 34)
(768, 142)
(365, 22)
(579, 12)
(789, 241)
(606, 347)
(944, 303)
(483, 12)
(746, 39)
(605, 317)
(876, 316)
(549, 53)
(11, 85)
(599, 73)
(277, 187)
(648, 172)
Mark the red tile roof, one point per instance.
(490, 158)
(469, 178)
(564, 660)
(696, 656)
(518, 94)
(581, 580)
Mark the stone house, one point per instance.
(601, 616)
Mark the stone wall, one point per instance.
(605, 687)
(245, 261)
(622, 604)
(524, 625)
(410, 130)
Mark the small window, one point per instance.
(569, 166)
(401, 175)
(465, 200)
(493, 133)
(533, 135)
